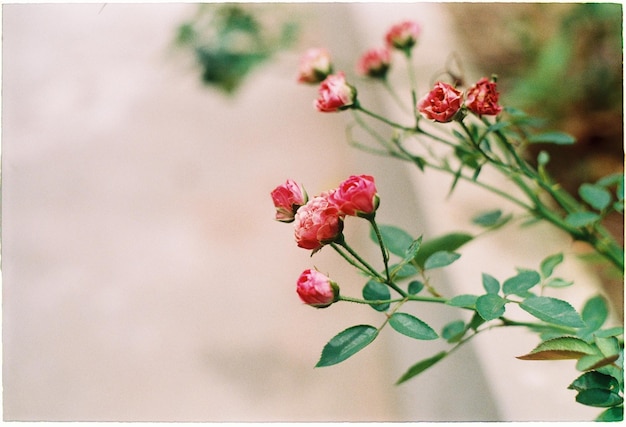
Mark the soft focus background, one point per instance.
(143, 275)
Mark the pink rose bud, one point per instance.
(374, 63)
(482, 98)
(317, 223)
(287, 198)
(356, 196)
(335, 94)
(317, 290)
(315, 66)
(404, 35)
(441, 103)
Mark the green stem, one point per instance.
(368, 268)
(393, 300)
(598, 238)
(476, 145)
(509, 322)
(395, 96)
(383, 249)
(413, 84)
(368, 272)
(358, 107)
(378, 137)
(422, 162)
(434, 137)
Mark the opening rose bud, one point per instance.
(317, 223)
(374, 63)
(441, 104)
(287, 198)
(356, 196)
(482, 98)
(317, 290)
(403, 36)
(335, 94)
(315, 66)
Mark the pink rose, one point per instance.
(287, 198)
(356, 196)
(316, 289)
(404, 35)
(441, 103)
(317, 223)
(482, 98)
(374, 63)
(335, 94)
(315, 65)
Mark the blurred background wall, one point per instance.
(143, 275)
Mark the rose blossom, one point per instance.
(441, 103)
(317, 290)
(403, 35)
(482, 98)
(356, 196)
(374, 63)
(287, 198)
(335, 94)
(315, 66)
(317, 223)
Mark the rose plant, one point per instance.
(478, 133)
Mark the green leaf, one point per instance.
(453, 331)
(490, 306)
(594, 361)
(609, 346)
(610, 332)
(595, 196)
(559, 138)
(599, 398)
(616, 413)
(374, 290)
(497, 126)
(557, 282)
(412, 327)
(549, 263)
(415, 287)
(560, 349)
(402, 271)
(594, 379)
(595, 312)
(476, 321)
(346, 344)
(521, 283)
(420, 162)
(613, 179)
(413, 248)
(543, 158)
(440, 259)
(491, 284)
(449, 242)
(421, 366)
(488, 219)
(396, 240)
(581, 219)
(552, 310)
(466, 301)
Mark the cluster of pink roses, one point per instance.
(444, 101)
(441, 104)
(319, 221)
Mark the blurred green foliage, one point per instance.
(578, 69)
(229, 41)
